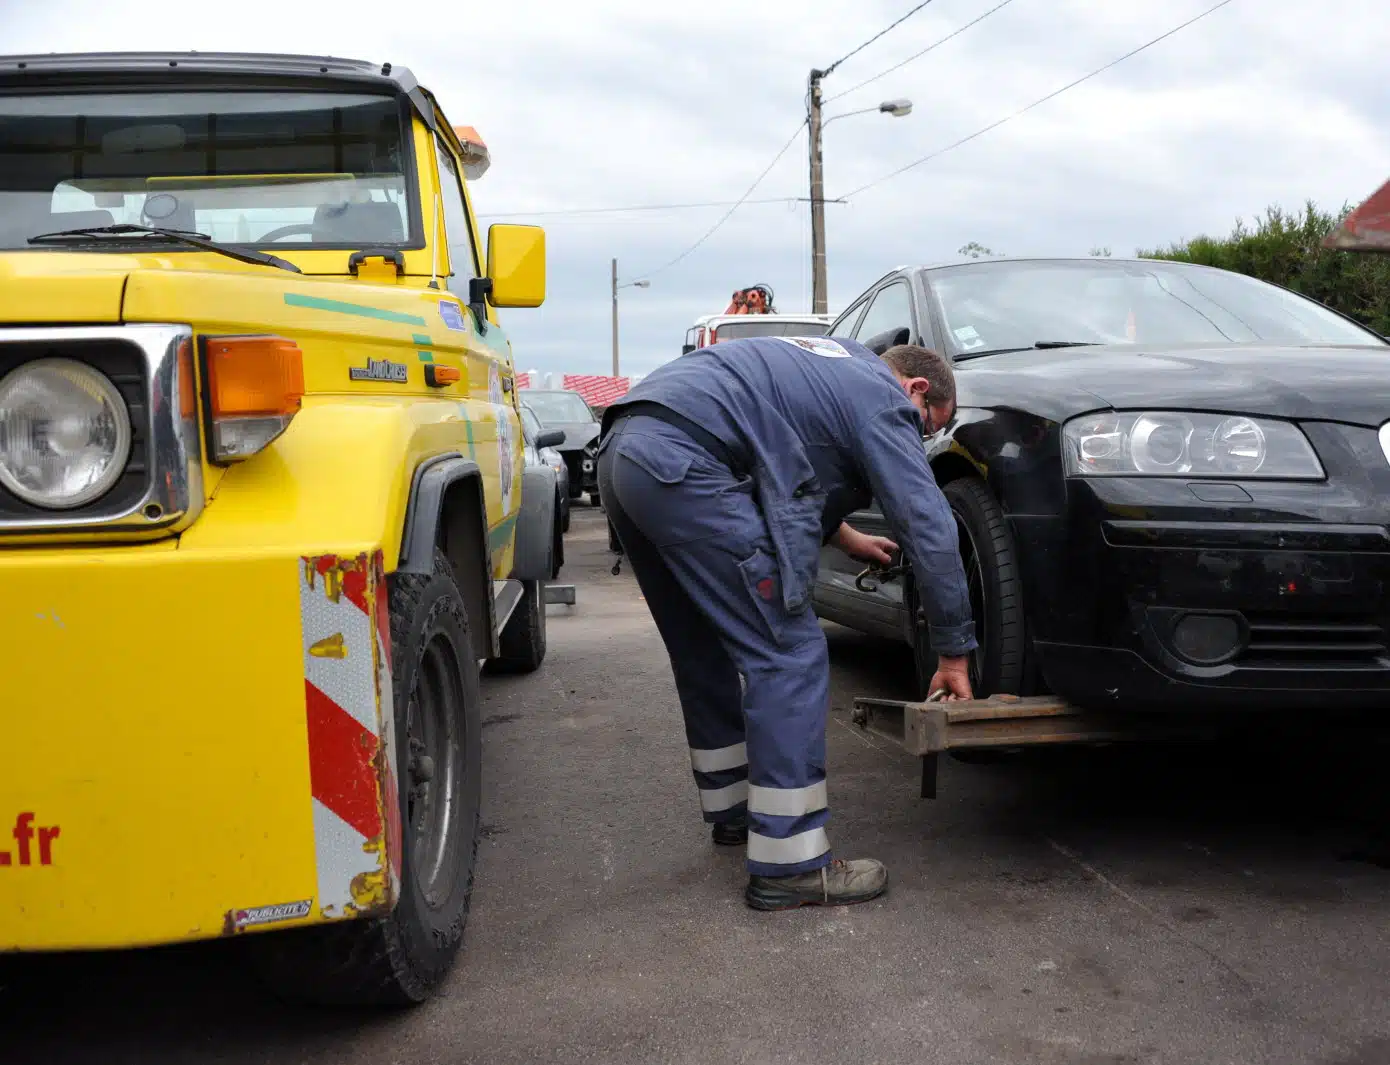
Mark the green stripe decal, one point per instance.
(421, 340)
(497, 536)
(425, 356)
(468, 429)
(297, 299)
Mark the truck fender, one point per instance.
(533, 555)
(449, 489)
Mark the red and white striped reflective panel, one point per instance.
(523, 380)
(351, 722)
(598, 390)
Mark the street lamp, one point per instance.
(894, 108)
(616, 286)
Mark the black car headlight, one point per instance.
(1178, 444)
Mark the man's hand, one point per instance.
(865, 548)
(953, 677)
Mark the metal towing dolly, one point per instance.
(926, 729)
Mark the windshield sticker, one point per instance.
(968, 337)
(380, 370)
(827, 349)
(452, 315)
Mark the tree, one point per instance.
(1285, 248)
(975, 250)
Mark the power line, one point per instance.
(565, 211)
(734, 207)
(876, 36)
(1050, 96)
(919, 55)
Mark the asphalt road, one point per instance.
(1098, 908)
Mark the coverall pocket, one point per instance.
(764, 584)
(666, 465)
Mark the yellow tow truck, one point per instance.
(264, 515)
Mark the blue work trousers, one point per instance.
(753, 678)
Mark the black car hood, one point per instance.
(577, 434)
(1343, 384)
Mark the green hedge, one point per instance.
(1286, 248)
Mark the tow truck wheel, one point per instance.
(401, 958)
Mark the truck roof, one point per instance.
(19, 68)
(223, 68)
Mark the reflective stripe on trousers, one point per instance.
(753, 679)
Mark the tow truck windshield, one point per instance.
(306, 170)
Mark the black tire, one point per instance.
(523, 638)
(402, 958)
(594, 500)
(563, 503)
(987, 551)
(557, 549)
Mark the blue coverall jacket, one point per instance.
(823, 426)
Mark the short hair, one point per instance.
(910, 360)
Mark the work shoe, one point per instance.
(730, 833)
(840, 883)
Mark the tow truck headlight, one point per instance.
(64, 433)
(1177, 444)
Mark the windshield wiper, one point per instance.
(194, 240)
(1043, 344)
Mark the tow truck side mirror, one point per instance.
(516, 265)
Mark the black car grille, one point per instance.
(1290, 641)
(124, 364)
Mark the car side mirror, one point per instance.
(881, 342)
(686, 349)
(549, 438)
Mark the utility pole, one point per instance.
(615, 317)
(813, 120)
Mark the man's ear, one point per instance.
(919, 386)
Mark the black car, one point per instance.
(559, 409)
(1171, 484)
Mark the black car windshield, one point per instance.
(753, 326)
(1015, 305)
(559, 408)
(300, 169)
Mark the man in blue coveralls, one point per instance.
(723, 473)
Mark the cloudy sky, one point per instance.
(613, 103)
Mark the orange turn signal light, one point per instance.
(254, 376)
(439, 376)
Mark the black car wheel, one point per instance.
(522, 642)
(996, 595)
(401, 958)
(594, 500)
